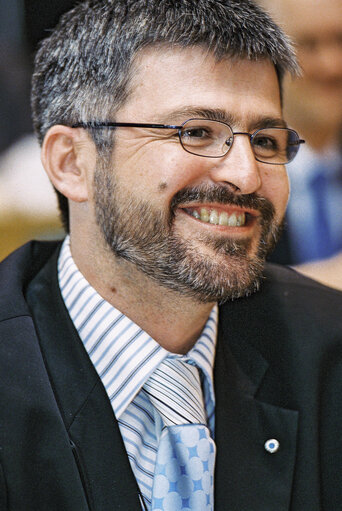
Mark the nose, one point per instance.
(238, 169)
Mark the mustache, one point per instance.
(222, 195)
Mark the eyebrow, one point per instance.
(268, 122)
(217, 114)
(181, 115)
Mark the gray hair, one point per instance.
(83, 70)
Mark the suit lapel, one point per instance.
(247, 476)
(94, 434)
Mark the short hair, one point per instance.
(82, 70)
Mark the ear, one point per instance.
(69, 158)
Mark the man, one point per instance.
(313, 104)
(162, 131)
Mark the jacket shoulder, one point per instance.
(285, 278)
(16, 271)
(288, 308)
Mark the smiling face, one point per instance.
(198, 225)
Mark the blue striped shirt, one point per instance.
(125, 356)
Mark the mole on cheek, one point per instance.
(162, 186)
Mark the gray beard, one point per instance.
(152, 245)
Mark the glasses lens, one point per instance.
(293, 144)
(275, 145)
(205, 137)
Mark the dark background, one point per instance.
(23, 23)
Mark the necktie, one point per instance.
(184, 471)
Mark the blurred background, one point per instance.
(313, 106)
(28, 207)
(312, 240)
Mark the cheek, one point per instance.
(276, 189)
(281, 199)
(157, 169)
(168, 175)
(163, 186)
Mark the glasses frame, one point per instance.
(113, 125)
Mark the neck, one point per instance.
(173, 320)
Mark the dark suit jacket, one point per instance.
(278, 374)
(284, 252)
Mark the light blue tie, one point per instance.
(184, 471)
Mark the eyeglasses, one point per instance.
(214, 139)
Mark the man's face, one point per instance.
(316, 27)
(200, 226)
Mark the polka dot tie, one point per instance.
(184, 470)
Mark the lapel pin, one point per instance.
(271, 445)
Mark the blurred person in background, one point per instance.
(313, 103)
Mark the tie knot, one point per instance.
(174, 389)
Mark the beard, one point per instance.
(147, 238)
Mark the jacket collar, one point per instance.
(88, 416)
(16, 271)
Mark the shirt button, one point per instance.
(271, 445)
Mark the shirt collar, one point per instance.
(122, 353)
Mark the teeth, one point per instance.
(241, 219)
(204, 215)
(232, 220)
(223, 220)
(215, 218)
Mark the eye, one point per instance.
(197, 136)
(265, 143)
(196, 132)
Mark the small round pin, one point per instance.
(271, 445)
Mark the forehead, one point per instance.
(169, 80)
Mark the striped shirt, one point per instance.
(125, 356)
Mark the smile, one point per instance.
(216, 217)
